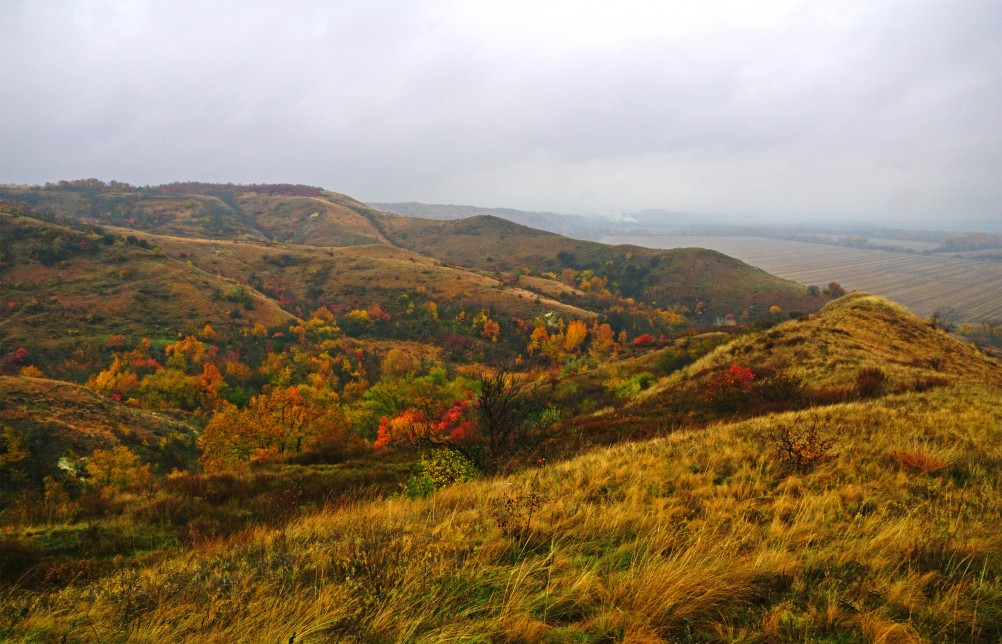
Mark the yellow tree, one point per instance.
(575, 335)
(538, 339)
(603, 342)
(281, 421)
(116, 379)
(491, 330)
(186, 353)
(118, 468)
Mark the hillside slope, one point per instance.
(62, 287)
(683, 276)
(57, 419)
(855, 332)
(306, 215)
(358, 276)
(293, 214)
(701, 536)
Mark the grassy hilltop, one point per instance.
(272, 413)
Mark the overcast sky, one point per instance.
(867, 111)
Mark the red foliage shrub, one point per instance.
(729, 390)
(643, 340)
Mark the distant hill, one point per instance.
(683, 276)
(287, 214)
(305, 215)
(570, 225)
(61, 285)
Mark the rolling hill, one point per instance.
(303, 215)
(854, 332)
(65, 286)
(569, 225)
(357, 426)
(685, 276)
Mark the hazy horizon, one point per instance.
(780, 112)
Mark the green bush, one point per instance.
(627, 388)
(672, 360)
(437, 469)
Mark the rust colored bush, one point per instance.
(800, 445)
(870, 382)
(919, 461)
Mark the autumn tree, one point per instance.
(511, 420)
(538, 339)
(171, 388)
(506, 418)
(398, 363)
(186, 354)
(834, 290)
(31, 371)
(491, 330)
(13, 456)
(118, 468)
(117, 380)
(575, 335)
(603, 342)
(285, 420)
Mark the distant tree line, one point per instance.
(186, 187)
(971, 241)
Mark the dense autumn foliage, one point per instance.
(279, 422)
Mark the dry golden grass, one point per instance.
(121, 289)
(854, 333)
(359, 274)
(700, 536)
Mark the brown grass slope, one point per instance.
(218, 212)
(357, 276)
(97, 289)
(681, 276)
(329, 220)
(485, 243)
(854, 332)
(189, 215)
(57, 419)
(701, 536)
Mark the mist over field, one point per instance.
(877, 112)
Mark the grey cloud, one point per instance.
(857, 110)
